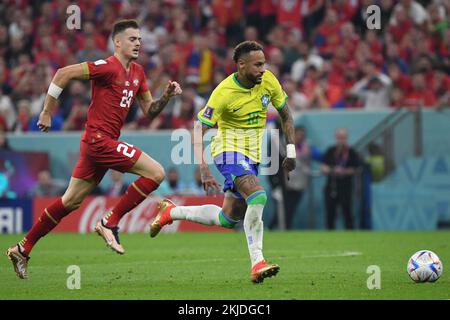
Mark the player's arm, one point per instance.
(208, 180)
(287, 124)
(151, 108)
(59, 82)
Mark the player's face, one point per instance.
(341, 137)
(128, 43)
(254, 66)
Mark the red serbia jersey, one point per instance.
(113, 91)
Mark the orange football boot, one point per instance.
(162, 218)
(262, 270)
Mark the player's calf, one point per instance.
(210, 215)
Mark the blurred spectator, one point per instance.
(150, 33)
(90, 51)
(298, 102)
(4, 145)
(397, 97)
(173, 179)
(6, 173)
(184, 118)
(7, 112)
(77, 117)
(327, 37)
(306, 58)
(23, 122)
(374, 89)
(437, 24)
(420, 94)
(412, 9)
(339, 164)
(288, 192)
(322, 45)
(376, 161)
(393, 56)
(47, 186)
(196, 186)
(441, 86)
(298, 180)
(118, 186)
(200, 65)
(75, 95)
(399, 79)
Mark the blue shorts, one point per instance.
(232, 165)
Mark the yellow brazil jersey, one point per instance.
(240, 114)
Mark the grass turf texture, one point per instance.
(314, 265)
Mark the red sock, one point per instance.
(135, 194)
(49, 219)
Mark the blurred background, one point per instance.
(388, 88)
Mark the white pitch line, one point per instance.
(218, 260)
(338, 254)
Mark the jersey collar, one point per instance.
(240, 85)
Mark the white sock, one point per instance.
(207, 214)
(253, 227)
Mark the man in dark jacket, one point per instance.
(339, 164)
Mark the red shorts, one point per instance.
(98, 153)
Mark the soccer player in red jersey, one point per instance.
(115, 83)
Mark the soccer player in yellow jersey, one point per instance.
(238, 106)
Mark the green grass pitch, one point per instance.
(314, 265)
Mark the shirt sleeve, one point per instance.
(278, 97)
(210, 114)
(98, 70)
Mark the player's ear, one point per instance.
(116, 40)
(241, 63)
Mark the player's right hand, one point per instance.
(208, 181)
(173, 89)
(45, 121)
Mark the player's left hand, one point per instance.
(173, 89)
(288, 165)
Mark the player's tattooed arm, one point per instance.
(208, 181)
(156, 106)
(287, 123)
(197, 141)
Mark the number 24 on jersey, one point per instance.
(126, 99)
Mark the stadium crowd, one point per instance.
(322, 52)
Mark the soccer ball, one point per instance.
(424, 266)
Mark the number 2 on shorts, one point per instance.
(123, 148)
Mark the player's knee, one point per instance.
(227, 221)
(156, 173)
(159, 175)
(238, 213)
(257, 197)
(72, 203)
